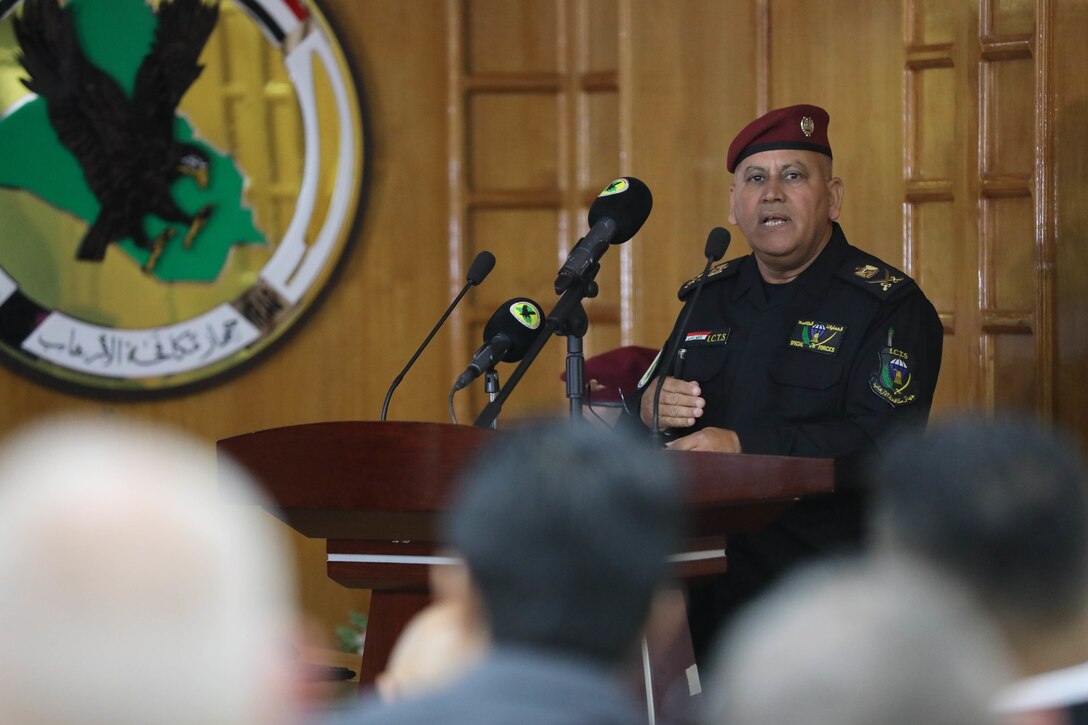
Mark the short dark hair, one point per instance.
(565, 529)
(1002, 505)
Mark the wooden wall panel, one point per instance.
(1009, 116)
(513, 139)
(859, 83)
(691, 89)
(933, 149)
(1011, 371)
(600, 154)
(599, 25)
(1013, 17)
(1069, 175)
(531, 91)
(935, 22)
(512, 36)
(1015, 327)
(936, 248)
(1010, 230)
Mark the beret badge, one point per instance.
(807, 126)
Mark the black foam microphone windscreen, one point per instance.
(628, 202)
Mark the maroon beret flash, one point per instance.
(793, 127)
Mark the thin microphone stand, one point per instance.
(569, 318)
(491, 387)
(657, 437)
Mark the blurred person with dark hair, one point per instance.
(858, 643)
(135, 587)
(1001, 506)
(564, 532)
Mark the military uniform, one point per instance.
(823, 366)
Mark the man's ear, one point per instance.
(835, 192)
(732, 216)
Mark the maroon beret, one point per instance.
(794, 127)
(617, 370)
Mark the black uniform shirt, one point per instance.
(822, 366)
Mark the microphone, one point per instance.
(477, 271)
(617, 214)
(508, 335)
(716, 244)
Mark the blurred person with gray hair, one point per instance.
(1001, 506)
(857, 642)
(564, 533)
(138, 584)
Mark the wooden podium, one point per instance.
(374, 491)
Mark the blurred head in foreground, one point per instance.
(565, 531)
(137, 582)
(1001, 506)
(850, 644)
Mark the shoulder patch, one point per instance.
(892, 377)
(718, 271)
(877, 278)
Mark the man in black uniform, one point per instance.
(807, 347)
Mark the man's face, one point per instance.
(784, 201)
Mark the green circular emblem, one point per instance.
(180, 179)
(526, 313)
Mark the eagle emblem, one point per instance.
(130, 145)
(164, 222)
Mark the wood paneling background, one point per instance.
(958, 128)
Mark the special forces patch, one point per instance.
(822, 337)
(892, 377)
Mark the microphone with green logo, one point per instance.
(508, 335)
(615, 216)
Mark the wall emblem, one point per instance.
(180, 181)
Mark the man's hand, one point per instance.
(678, 407)
(714, 440)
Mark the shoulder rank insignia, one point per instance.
(872, 275)
(892, 377)
(716, 271)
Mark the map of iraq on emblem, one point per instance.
(170, 205)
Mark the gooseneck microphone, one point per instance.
(477, 271)
(617, 214)
(508, 335)
(716, 244)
